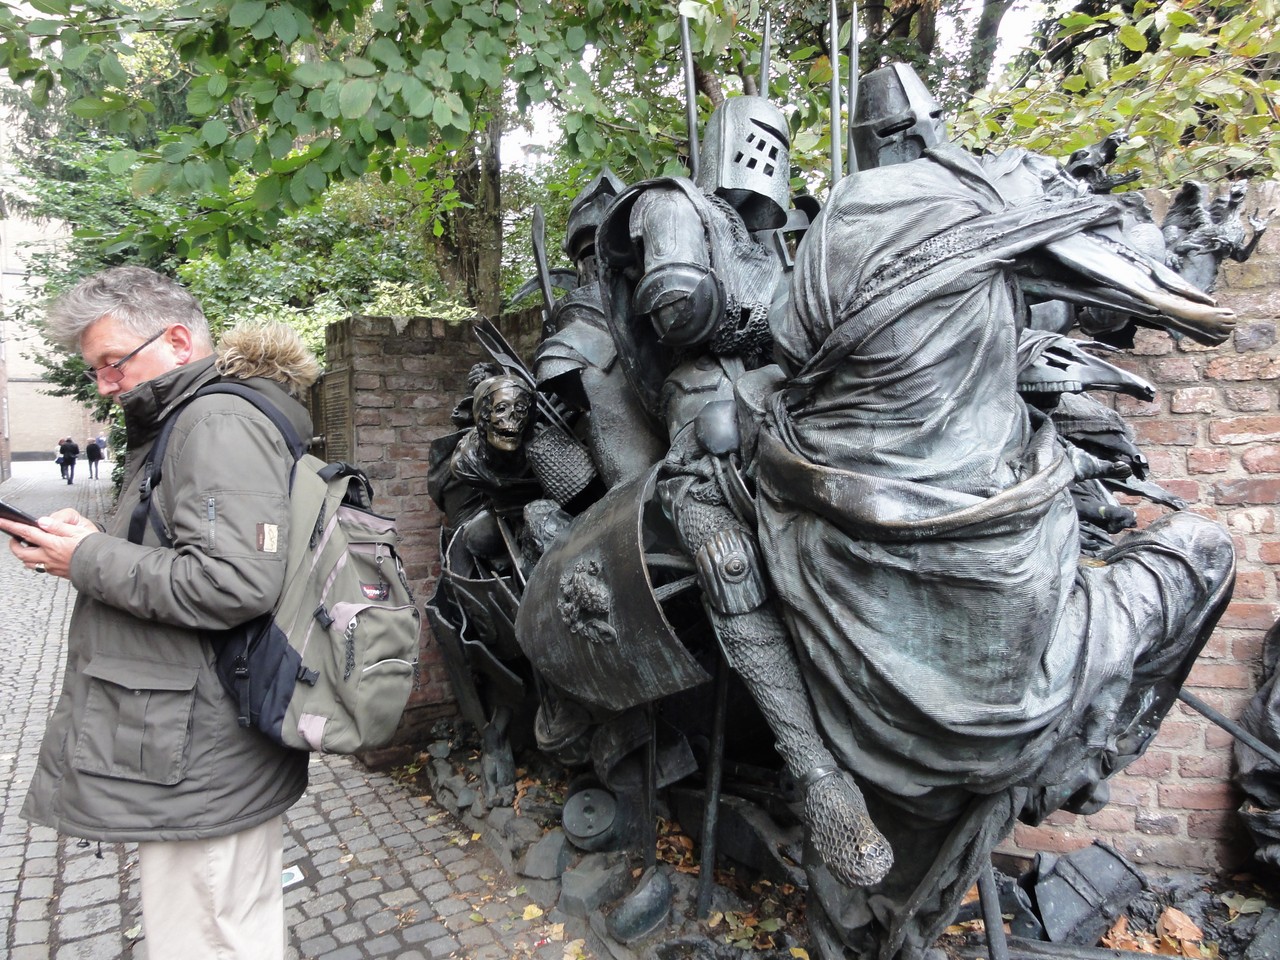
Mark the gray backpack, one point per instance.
(332, 666)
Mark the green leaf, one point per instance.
(315, 74)
(199, 103)
(247, 13)
(150, 177)
(299, 191)
(280, 143)
(418, 100)
(112, 72)
(1132, 38)
(120, 162)
(356, 98)
(176, 151)
(267, 193)
(384, 50)
(385, 21)
(214, 132)
(283, 24)
(217, 84)
(89, 108)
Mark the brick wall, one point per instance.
(1213, 437)
(401, 378)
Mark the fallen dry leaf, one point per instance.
(1176, 925)
(532, 912)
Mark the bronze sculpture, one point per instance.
(900, 535)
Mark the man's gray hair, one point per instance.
(140, 300)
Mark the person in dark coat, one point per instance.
(69, 450)
(92, 454)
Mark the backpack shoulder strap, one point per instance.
(152, 470)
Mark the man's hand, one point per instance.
(48, 548)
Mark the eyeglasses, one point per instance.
(114, 372)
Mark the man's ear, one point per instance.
(181, 343)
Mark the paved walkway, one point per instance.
(373, 870)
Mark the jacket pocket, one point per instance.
(137, 720)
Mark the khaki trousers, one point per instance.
(215, 899)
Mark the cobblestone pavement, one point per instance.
(380, 872)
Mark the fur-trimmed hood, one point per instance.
(258, 348)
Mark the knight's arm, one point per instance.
(678, 289)
(1150, 286)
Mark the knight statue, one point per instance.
(921, 534)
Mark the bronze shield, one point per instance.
(589, 620)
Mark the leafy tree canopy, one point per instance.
(1194, 85)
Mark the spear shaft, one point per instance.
(690, 96)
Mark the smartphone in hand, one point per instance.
(9, 512)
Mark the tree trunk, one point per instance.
(986, 36)
(469, 254)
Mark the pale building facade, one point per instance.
(31, 421)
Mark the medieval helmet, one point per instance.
(896, 117)
(586, 212)
(745, 160)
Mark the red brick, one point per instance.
(1223, 676)
(1253, 520)
(1215, 738)
(1048, 839)
(1199, 796)
(1237, 430)
(1188, 490)
(1250, 303)
(1206, 460)
(1249, 399)
(1169, 463)
(1218, 647)
(1152, 343)
(1218, 825)
(1132, 791)
(1177, 733)
(1112, 818)
(1173, 853)
(1269, 552)
(1260, 334)
(1187, 345)
(1156, 824)
(1240, 368)
(1154, 764)
(1194, 400)
(1175, 370)
(1244, 615)
(1248, 647)
(1129, 407)
(1263, 459)
(1251, 585)
(1232, 492)
(1213, 766)
(1180, 433)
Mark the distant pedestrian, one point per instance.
(69, 450)
(58, 458)
(92, 454)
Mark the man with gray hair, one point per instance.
(143, 744)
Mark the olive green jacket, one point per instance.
(143, 743)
